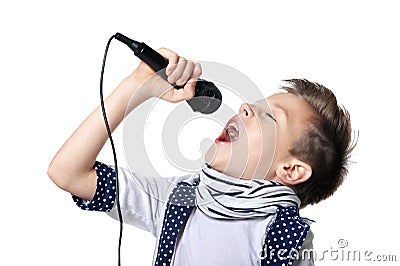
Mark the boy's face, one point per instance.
(256, 142)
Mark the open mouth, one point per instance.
(230, 132)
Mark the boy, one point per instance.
(242, 207)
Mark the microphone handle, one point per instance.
(153, 59)
(207, 98)
(148, 55)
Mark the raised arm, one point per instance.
(72, 167)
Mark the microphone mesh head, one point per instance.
(207, 98)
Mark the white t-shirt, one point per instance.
(204, 240)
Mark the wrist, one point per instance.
(150, 84)
(131, 93)
(133, 86)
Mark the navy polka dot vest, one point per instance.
(284, 237)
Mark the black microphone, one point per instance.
(207, 97)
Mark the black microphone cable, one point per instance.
(207, 100)
(103, 109)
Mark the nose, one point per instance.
(246, 111)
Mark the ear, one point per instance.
(293, 172)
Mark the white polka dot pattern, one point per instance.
(284, 238)
(106, 191)
(180, 204)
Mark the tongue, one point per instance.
(224, 137)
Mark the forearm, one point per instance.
(72, 167)
(76, 157)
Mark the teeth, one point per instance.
(233, 124)
(232, 130)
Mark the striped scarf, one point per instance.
(224, 197)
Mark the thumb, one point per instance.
(176, 95)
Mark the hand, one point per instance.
(179, 71)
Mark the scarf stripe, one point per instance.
(225, 197)
(262, 187)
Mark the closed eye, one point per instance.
(271, 116)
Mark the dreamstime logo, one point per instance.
(342, 243)
(145, 131)
(342, 252)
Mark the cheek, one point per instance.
(262, 150)
(262, 141)
(284, 140)
(249, 157)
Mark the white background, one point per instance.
(50, 60)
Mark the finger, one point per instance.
(172, 58)
(179, 69)
(197, 71)
(187, 73)
(184, 94)
(190, 89)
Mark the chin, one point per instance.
(215, 159)
(210, 157)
